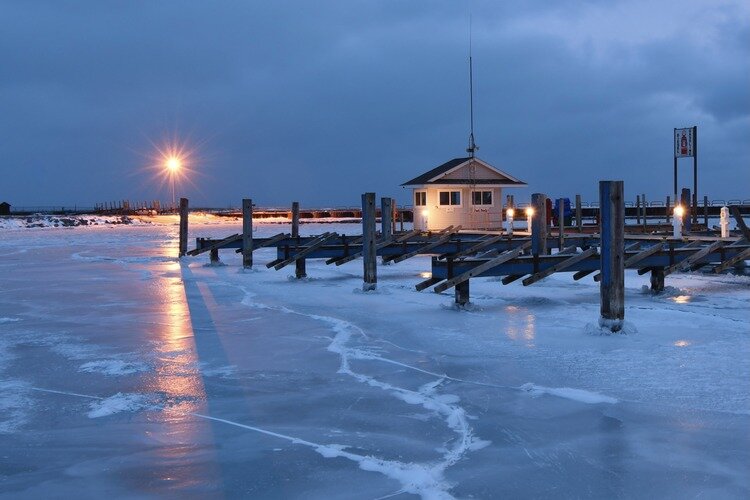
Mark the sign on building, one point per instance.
(684, 142)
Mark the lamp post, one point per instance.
(173, 165)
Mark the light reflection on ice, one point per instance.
(682, 343)
(682, 299)
(521, 325)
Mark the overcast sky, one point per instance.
(321, 101)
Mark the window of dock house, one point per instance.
(481, 197)
(420, 198)
(449, 197)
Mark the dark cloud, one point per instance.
(320, 101)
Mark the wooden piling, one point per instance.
(183, 226)
(612, 230)
(369, 254)
(561, 224)
(579, 213)
(538, 227)
(386, 218)
(657, 279)
(667, 209)
(638, 210)
(645, 211)
(247, 233)
(705, 211)
(462, 293)
(214, 256)
(300, 268)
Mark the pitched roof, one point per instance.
(432, 176)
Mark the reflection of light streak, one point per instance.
(182, 457)
(425, 274)
(682, 343)
(681, 299)
(528, 331)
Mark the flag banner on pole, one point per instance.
(683, 142)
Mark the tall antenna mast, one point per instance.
(472, 145)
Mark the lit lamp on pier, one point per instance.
(678, 214)
(509, 213)
(529, 216)
(173, 165)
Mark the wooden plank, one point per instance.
(343, 260)
(386, 218)
(247, 233)
(612, 229)
(694, 258)
(369, 252)
(744, 255)
(484, 243)
(183, 227)
(314, 245)
(632, 261)
(505, 257)
(559, 266)
(427, 283)
(428, 247)
(582, 274)
(511, 278)
(266, 242)
(214, 246)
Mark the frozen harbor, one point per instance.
(125, 372)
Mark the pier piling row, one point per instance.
(459, 255)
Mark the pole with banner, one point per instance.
(685, 145)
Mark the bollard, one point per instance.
(300, 270)
(724, 222)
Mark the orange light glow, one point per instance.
(529, 212)
(679, 211)
(510, 212)
(174, 164)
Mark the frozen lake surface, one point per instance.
(127, 373)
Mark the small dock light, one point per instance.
(679, 212)
(529, 216)
(509, 213)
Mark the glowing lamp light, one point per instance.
(529, 212)
(510, 213)
(174, 164)
(425, 212)
(679, 211)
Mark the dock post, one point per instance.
(462, 293)
(645, 211)
(183, 226)
(300, 268)
(612, 230)
(668, 200)
(657, 279)
(401, 219)
(705, 211)
(369, 254)
(386, 218)
(561, 225)
(638, 210)
(538, 228)
(579, 214)
(247, 233)
(686, 204)
(214, 256)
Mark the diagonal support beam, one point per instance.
(474, 249)
(632, 261)
(215, 246)
(343, 260)
(500, 259)
(314, 245)
(427, 283)
(735, 211)
(267, 242)
(560, 266)
(693, 258)
(429, 246)
(743, 255)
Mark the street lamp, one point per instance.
(173, 164)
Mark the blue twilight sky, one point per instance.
(321, 101)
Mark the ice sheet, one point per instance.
(127, 371)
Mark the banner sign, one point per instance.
(684, 144)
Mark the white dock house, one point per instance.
(463, 191)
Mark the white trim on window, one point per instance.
(420, 198)
(450, 194)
